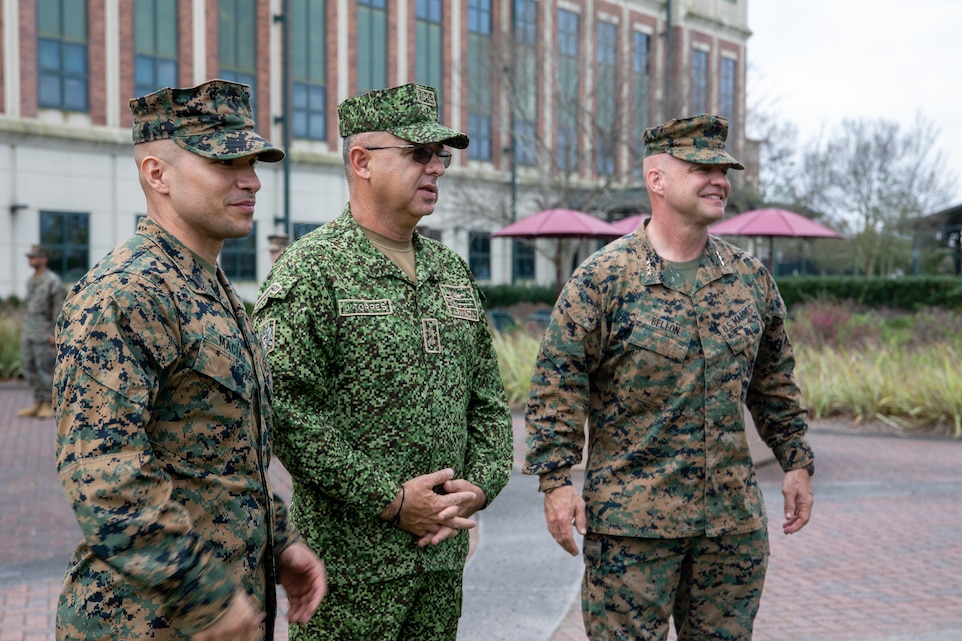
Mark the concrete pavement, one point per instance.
(881, 560)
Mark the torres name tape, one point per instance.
(357, 307)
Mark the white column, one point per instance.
(200, 42)
(112, 62)
(11, 63)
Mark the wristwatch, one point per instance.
(810, 468)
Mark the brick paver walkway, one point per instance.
(880, 560)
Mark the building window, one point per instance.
(526, 143)
(308, 69)
(525, 89)
(640, 97)
(67, 237)
(237, 38)
(155, 45)
(371, 45)
(606, 99)
(479, 255)
(62, 81)
(726, 106)
(238, 258)
(526, 22)
(302, 229)
(479, 79)
(699, 81)
(522, 263)
(428, 47)
(566, 143)
(479, 131)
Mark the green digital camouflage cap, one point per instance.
(409, 112)
(212, 120)
(700, 139)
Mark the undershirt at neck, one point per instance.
(401, 252)
(687, 269)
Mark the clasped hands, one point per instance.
(433, 516)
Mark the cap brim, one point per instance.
(228, 145)
(706, 157)
(428, 133)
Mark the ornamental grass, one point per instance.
(864, 365)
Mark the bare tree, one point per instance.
(872, 177)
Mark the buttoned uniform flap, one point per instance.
(220, 358)
(743, 331)
(671, 342)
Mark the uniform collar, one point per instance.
(183, 259)
(375, 262)
(719, 260)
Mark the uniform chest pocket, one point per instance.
(656, 359)
(669, 344)
(226, 365)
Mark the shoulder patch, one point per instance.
(267, 335)
(460, 302)
(272, 291)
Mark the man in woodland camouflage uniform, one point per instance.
(45, 294)
(391, 411)
(164, 403)
(658, 340)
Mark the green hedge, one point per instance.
(497, 296)
(907, 293)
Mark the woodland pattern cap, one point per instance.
(699, 139)
(212, 120)
(37, 251)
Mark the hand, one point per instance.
(239, 622)
(564, 507)
(799, 499)
(425, 512)
(304, 579)
(467, 509)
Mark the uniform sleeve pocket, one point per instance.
(745, 334)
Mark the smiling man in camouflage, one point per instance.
(658, 340)
(164, 403)
(393, 420)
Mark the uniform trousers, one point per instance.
(417, 607)
(710, 586)
(39, 358)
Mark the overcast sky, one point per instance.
(825, 60)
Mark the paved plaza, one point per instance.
(881, 560)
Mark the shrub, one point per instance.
(11, 359)
(854, 362)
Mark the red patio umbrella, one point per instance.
(631, 223)
(560, 223)
(771, 223)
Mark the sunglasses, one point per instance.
(419, 154)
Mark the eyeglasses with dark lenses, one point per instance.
(420, 154)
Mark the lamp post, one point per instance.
(285, 119)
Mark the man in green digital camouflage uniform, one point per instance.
(164, 403)
(392, 417)
(45, 294)
(658, 340)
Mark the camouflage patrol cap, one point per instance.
(699, 139)
(212, 120)
(38, 251)
(409, 112)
